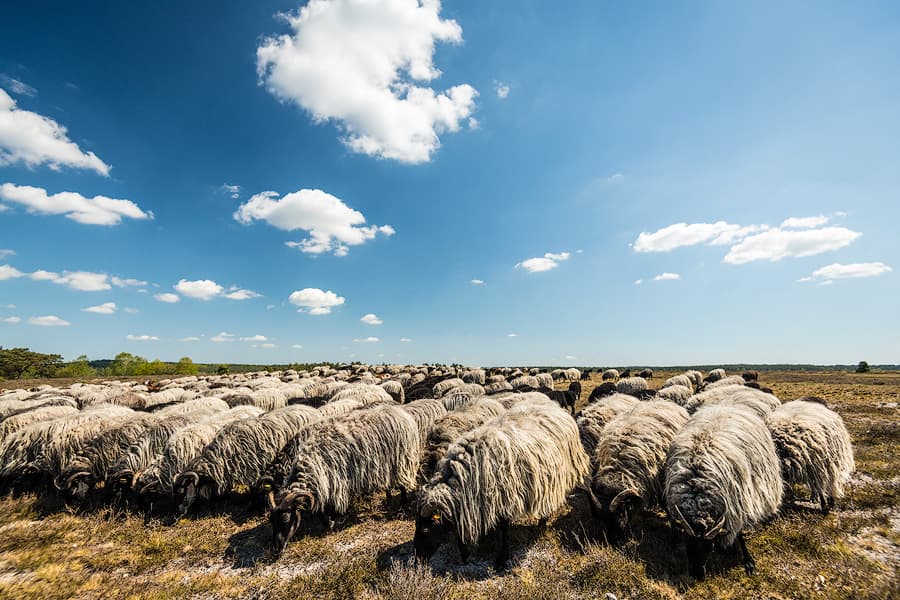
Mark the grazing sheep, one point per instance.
(544, 380)
(363, 452)
(586, 375)
(629, 462)
(572, 374)
(367, 394)
(474, 376)
(633, 386)
(607, 388)
(236, 457)
(730, 380)
(528, 382)
(497, 387)
(520, 465)
(13, 423)
(750, 375)
(715, 375)
(442, 387)
(682, 380)
(575, 388)
(695, 376)
(395, 389)
(735, 395)
(625, 374)
(610, 375)
(13, 408)
(646, 373)
(451, 426)
(594, 417)
(814, 447)
(678, 394)
(425, 413)
(565, 399)
(339, 407)
(722, 477)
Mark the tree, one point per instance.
(863, 367)
(222, 370)
(186, 366)
(78, 368)
(126, 364)
(16, 363)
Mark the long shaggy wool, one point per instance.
(695, 376)
(239, 453)
(730, 380)
(16, 422)
(682, 380)
(451, 426)
(609, 374)
(190, 406)
(595, 416)
(339, 407)
(814, 447)
(497, 387)
(442, 387)
(632, 386)
(510, 399)
(366, 394)
(356, 455)
(425, 413)
(715, 375)
(722, 463)
(678, 394)
(520, 465)
(632, 449)
(735, 395)
(395, 389)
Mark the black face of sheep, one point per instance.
(118, 486)
(616, 510)
(607, 388)
(432, 531)
(188, 487)
(285, 517)
(76, 485)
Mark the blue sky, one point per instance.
(747, 156)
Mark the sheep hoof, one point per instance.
(750, 567)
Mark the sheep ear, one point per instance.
(622, 497)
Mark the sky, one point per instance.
(485, 183)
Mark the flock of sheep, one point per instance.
(479, 449)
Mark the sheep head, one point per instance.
(432, 529)
(285, 514)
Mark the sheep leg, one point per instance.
(403, 497)
(698, 551)
(749, 563)
(387, 496)
(825, 504)
(463, 551)
(503, 553)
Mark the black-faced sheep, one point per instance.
(610, 375)
(633, 386)
(607, 388)
(452, 425)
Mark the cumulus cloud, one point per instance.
(512, 335)
(255, 338)
(368, 340)
(32, 139)
(6, 252)
(315, 301)
(502, 90)
(359, 64)
(99, 210)
(850, 271)
(12, 320)
(201, 289)
(776, 244)
(236, 293)
(190, 338)
(371, 319)
(268, 345)
(638, 281)
(804, 222)
(405, 340)
(476, 282)
(545, 263)
(684, 234)
(222, 337)
(332, 225)
(17, 87)
(107, 308)
(667, 277)
(232, 190)
(83, 281)
(48, 321)
(296, 346)
(167, 298)
(8, 272)
(119, 282)
(141, 338)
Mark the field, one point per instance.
(51, 551)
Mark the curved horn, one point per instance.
(270, 500)
(621, 497)
(148, 488)
(312, 499)
(684, 522)
(716, 528)
(188, 475)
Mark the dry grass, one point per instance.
(50, 551)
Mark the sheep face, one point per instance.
(698, 551)
(285, 517)
(701, 514)
(432, 530)
(188, 487)
(76, 485)
(617, 508)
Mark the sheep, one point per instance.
(474, 376)
(565, 399)
(715, 375)
(365, 451)
(575, 388)
(13, 423)
(451, 426)
(520, 465)
(814, 447)
(12, 407)
(497, 387)
(339, 407)
(528, 382)
(594, 417)
(607, 388)
(682, 380)
(79, 474)
(633, 386)
(610, 375)
(628, 463)
(750, 375)
(442, 387)
(211, 405)
(544, 380)
(625, 374)
(425, 413)
(730, 380)
(236, 457)
(366, 394)
(722, 477)
(695, 376)
(586, 375)
(395, 389)
(572, 374)
(760, 402)
(646, 373)
(678, 394)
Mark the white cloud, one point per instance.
(358, 64)
(232, 190)
(638, 281)
(545, 263)
(255, 338)
(405, 340)
(119, 282)
(190, 338)
(316, 301)
(477, 282)
(368, 340)
(8, 272)
(826, 282)
(201, 289)
(131, 311)
(296, 346)
(99, 210)
(235, 293)
(12, 320)
(141, 338)
(776, 244)
(33, 139)
(502, 90)
(222, 337)
(371, 319)
(84, 281)
(667, 277)
(851, 271)
(5, 253)
(804, 222)
(683, 234)
(332, 225)
(48, 321)
(17, 87)
(512, 335)
(268, 345)
(167, 297)
(107, 308)
(10, 306)
(570, 357)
